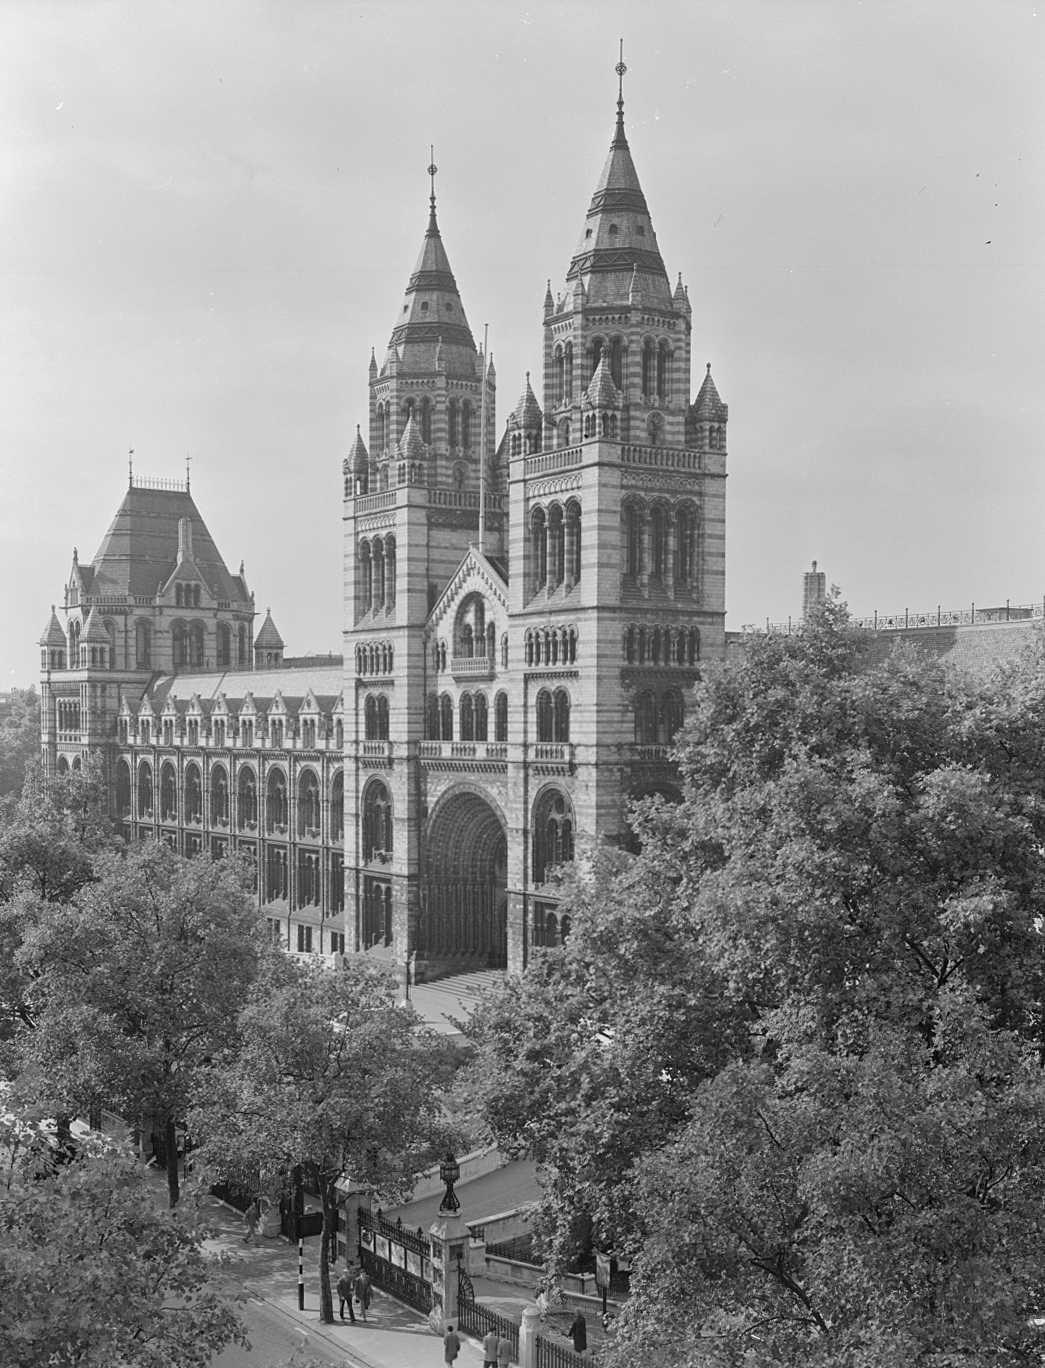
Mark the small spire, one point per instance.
(373, 362)
(491, 374)
(130, 468)
(76, 556)
(549, 303)
(619, 140)
(709, 368)
(433, 227)
(188, 472)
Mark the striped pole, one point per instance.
(301, 1268)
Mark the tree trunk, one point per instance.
(170, 1139)
(326, 1299)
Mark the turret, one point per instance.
(268, 644)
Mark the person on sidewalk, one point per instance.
(578, 1332)
(250, 1219)
(364, 1292)
(504, 1352)
(344, 1295)
(490, 1349)
(451, 1345)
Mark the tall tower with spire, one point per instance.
(617, 526)
(411, 513)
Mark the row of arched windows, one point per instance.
(189, 797)
(68, 714)
(551, 646)
(555, 545)
(660, 542)
(189, 643)
(473, 719)
(658, 717)
(187, 595)
(460, 422)
(661, 645)
(377, 573)
(655, 371)
(375, 658)
(525, 443)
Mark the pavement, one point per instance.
(445, 1002)
(394, 1335)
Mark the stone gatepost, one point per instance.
(531, 1323)
(449, 1234)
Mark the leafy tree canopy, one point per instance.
(94, 1272)
(795, 1042)
(19, 738)
(329, 1073)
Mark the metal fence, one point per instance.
(479, 1320)
(397, 1260)
(552, 1355)
(910, 620)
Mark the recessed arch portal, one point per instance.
(464, 904)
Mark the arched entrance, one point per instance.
(464, 903)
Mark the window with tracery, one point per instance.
(552, 835)
(377, 823)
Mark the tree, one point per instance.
(19, 738)
(860, 845)
(93, 1272)
(136, 985)
(330, 1074)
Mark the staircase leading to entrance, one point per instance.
(445, 1000)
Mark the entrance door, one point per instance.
(464, 897)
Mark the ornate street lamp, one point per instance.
(449, 1172)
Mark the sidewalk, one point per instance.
(394, 1336)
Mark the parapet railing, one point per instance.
(908, 621)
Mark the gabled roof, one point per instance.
(52, 633)
(432, 317)
(475, 570)
(94, 631)
(140, 549)
(411, 444)
(618, 248)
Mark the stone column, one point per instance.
(530, 1324)
(449, 1234)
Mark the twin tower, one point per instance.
(523, 617)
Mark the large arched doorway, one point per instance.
(464, 904)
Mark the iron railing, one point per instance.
(552, 1355)
(479, 1320)
(911, 621)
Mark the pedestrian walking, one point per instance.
(344, 1294)
(490, 1349)
(364, 1292)
(251, 1217)
(504, 1352)
(451, 1345)
(578, 1332)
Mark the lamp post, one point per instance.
(449, 1172)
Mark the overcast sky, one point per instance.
(209, 213)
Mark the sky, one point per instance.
(209, 213)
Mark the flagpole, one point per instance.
(482, 440)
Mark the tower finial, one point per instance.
(130, 468)
(188, 472)
(433, 227)
(618, 138)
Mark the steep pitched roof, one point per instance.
(618, 241)
(268, 638)
(357, 460)
(602, 393)
(53, 634)
(140, 549)
(527, 412)
(707, 403)
(432, 317)
(93, 630)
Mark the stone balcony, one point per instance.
(471, 667)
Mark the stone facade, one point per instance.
(522, 621)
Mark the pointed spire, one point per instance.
(707, 403)
(491, 373)
(549, 303)
(358, 460)
(602, 393)
(433, 227)
(411, 444)
(53, 636)
(527, 412)
(373, 364)
(619, 139)
(268, 638)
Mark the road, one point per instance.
(276, 1342)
